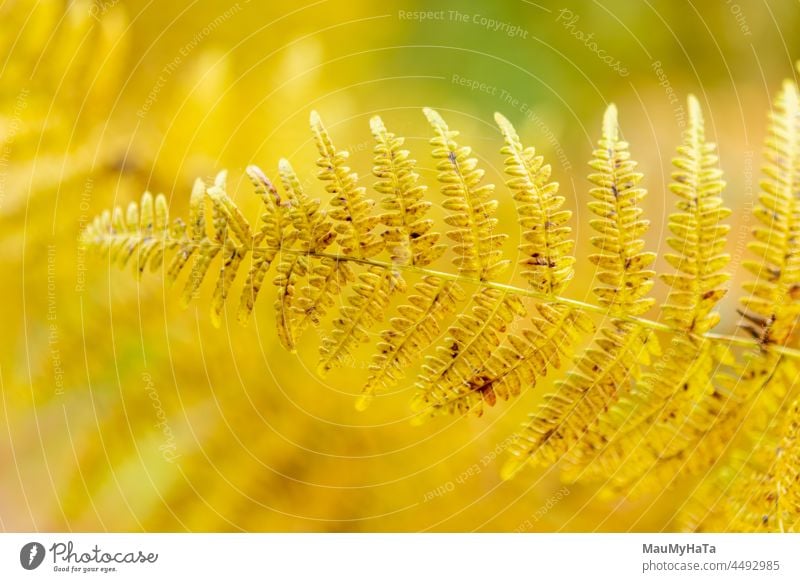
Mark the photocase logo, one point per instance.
(31, 555)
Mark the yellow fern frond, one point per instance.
(447, 383)
(662, 418)
(771, 307)
(411, 332)
(600, 375)
(495, 369)
(753, 477)
(409, 240)
(548, 264)
(641, 431)
(478, 244)
(621, 264)
(699, 235)
(211, 241)
(615, 414)
(196, 234)
(366, 306)
(355, 226)
(758, 477)
(408, 233)
(351, 208)
(216, 226)
(324, 277)
(475, 335)
(609, 368)
(518, 363)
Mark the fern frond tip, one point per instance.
(376, 125)
(434, 118)
(501, 120)
(695, 113)
(611, 123)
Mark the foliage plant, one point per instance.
(637, 401)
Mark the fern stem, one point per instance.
(169, 241)
(576, 303)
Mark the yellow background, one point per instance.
(100, 101)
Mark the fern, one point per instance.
(408, 233)
(297, 308)
(475, 335)
(602, 371)
(646, 435)
(628, 411)
(772, 318)
(758, 498)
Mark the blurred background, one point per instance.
(122, 412)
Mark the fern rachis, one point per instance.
(619, 410)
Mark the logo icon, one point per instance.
(31, 555)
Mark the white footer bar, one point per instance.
(400, 557)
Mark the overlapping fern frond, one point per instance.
(757, 474)
(645, 436)
(612, 364)
(771, 307)
(628, 411)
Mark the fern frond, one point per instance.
(662, 430)
(548, 264)
(196, 234)
(653, 422)
(355, 226)
(235, 247)
(447, 383)
(314, 232)
(367, 306)
(641, 431)
(749, 487)
(601, 373)
(125, 236)
(757, 478)
(210, 243)
(744, 491)
(609, 368)
(408, 233)
(500, 369)
(518, 363)
(411, 332)
(409, 240)
(699, 234)
(478, 244)
(685, 450)
(621, 264)
(771, 307)
(615, 413)
(756, 499)
(475, 335)
(216, 226)
(351, 208)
